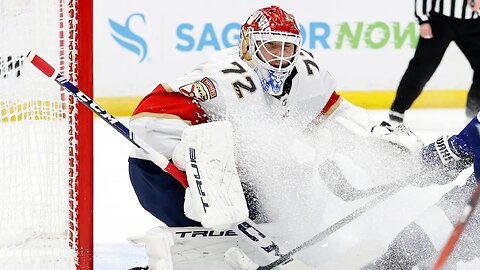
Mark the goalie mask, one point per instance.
(270, 43)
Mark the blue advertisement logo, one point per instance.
(228, 37)
(124, 36)
(316, 35)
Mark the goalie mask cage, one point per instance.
(46, 161)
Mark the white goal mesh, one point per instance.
(38, 137)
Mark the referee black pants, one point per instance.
(429, 53)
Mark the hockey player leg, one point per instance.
(215, 195)
(159, 193)
(420, 242)
(407, 249)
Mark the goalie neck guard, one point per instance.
(270, 43)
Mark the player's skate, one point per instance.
(157, 242)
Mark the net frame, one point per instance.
(84, 181)
(75, 51)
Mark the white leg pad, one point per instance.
(157, 242)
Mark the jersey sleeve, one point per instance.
(355, 114)
(422, 10)
(355, 118)
(338, 107)
(334, 105)
(161, 117)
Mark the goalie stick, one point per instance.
(157, 158)
(247, 229)
(248, 264)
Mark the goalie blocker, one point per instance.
(214, 198)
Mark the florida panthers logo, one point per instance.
(201, 90)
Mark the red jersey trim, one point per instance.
(332, 104)
(162, 102)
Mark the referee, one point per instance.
(441, 22)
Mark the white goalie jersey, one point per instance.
(226, 81)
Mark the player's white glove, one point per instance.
(457, 151)
(400, 136)
(215, 196)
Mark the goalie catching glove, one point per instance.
(215, 196)
(400, 136)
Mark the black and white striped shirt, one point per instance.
(460, 9)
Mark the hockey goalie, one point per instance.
(262, 134)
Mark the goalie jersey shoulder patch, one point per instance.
(201, 90)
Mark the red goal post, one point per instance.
(85, 135)
(46, 137)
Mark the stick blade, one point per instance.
(41, 64)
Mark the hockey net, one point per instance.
(41, 169)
